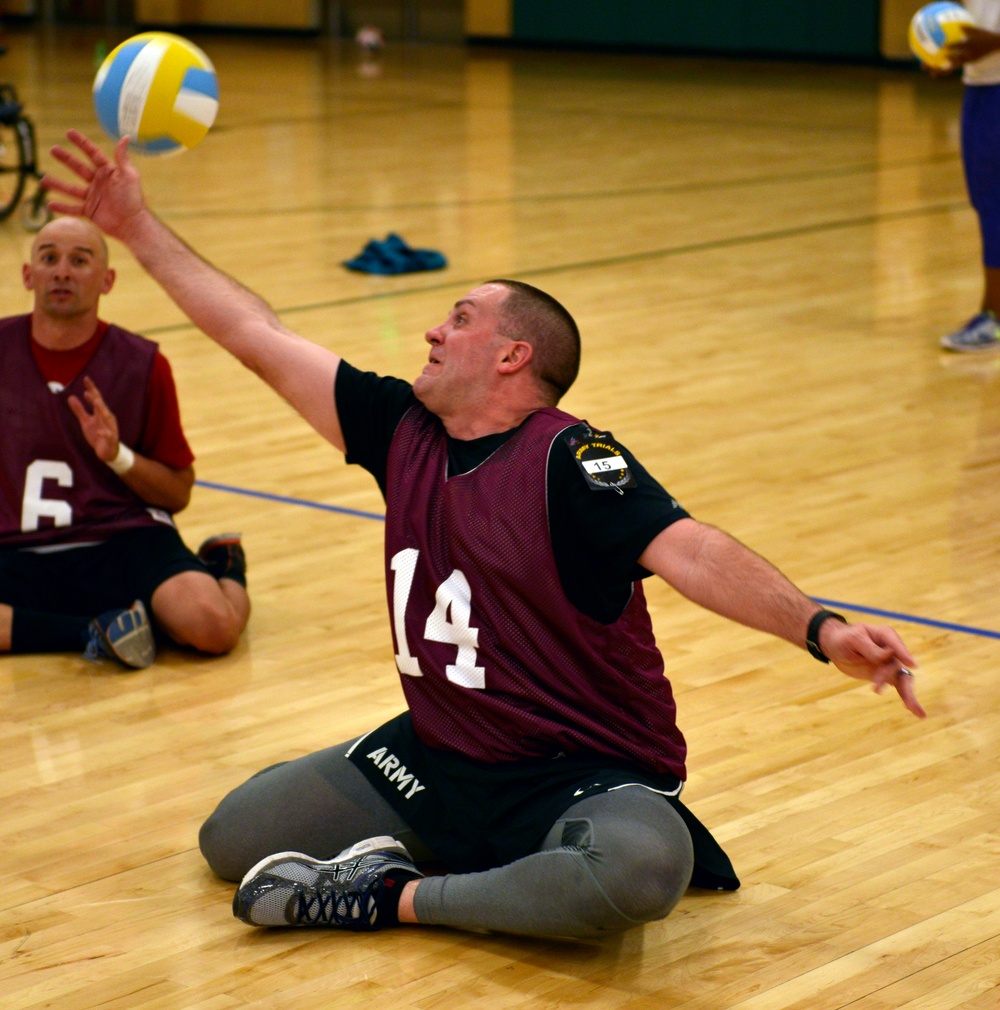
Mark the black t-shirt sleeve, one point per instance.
(370, 407)
(598, 536)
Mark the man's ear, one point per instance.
(516, 356)
(109, 281)
(26, 277)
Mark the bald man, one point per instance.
(95, 465)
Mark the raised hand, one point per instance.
(111, 190)
(98, 424)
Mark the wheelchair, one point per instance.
(17, 163)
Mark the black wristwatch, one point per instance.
(812, 633)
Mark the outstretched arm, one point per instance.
(721, 574)
(110, 194)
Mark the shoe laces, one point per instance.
(331, 904)
(95, 647)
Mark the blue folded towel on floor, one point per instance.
(394, 256)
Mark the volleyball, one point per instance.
(935, 26)
(160, 90)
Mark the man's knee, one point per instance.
(659, 875)
(214, 629)
(223, 847)
(238, 834)
(641, 865)
(643, 877)
(194, 612)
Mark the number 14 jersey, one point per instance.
(496, 663)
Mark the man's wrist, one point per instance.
(812, 633)
(123, 461)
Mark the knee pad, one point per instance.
(636, 846)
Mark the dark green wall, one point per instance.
(846, 28)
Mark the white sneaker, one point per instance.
(980, 333)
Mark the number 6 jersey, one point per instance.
(52, 488)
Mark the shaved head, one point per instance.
(68, 273)
(77, 232)
(531, 315)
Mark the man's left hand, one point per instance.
(98, 424)
(878, 654)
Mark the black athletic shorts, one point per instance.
(89, 580)
(474, 815)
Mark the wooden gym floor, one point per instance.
(762, 257)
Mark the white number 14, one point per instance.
(447, 623)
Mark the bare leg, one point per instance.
(991, 290)
(6, 621)
(195, 609)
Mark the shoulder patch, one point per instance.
(599, 458)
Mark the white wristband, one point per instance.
(124, 461)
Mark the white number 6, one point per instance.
(34, 506)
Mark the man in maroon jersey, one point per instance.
(539, 759)
(94, 466)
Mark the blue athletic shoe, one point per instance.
(125, 635)
(980, 333)
(293, 889)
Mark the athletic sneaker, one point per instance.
(223, 556)
(980, 333)
(293, 889)
(125, 635)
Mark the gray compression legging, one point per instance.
(612, 861)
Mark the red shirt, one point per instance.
(53, 490)
(163, 438)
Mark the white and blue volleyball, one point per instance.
(933, 28)
(160, 90)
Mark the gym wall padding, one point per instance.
(841, 28)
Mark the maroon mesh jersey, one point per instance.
(53, 489)
(496, 663)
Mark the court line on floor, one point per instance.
(909, 618)
(286, 500)
(361, 514)
(628, 192)
(730, 242)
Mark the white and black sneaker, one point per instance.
(359, 889)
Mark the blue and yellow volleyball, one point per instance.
(160, 90)
(933, 28)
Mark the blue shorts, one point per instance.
(981, 157)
